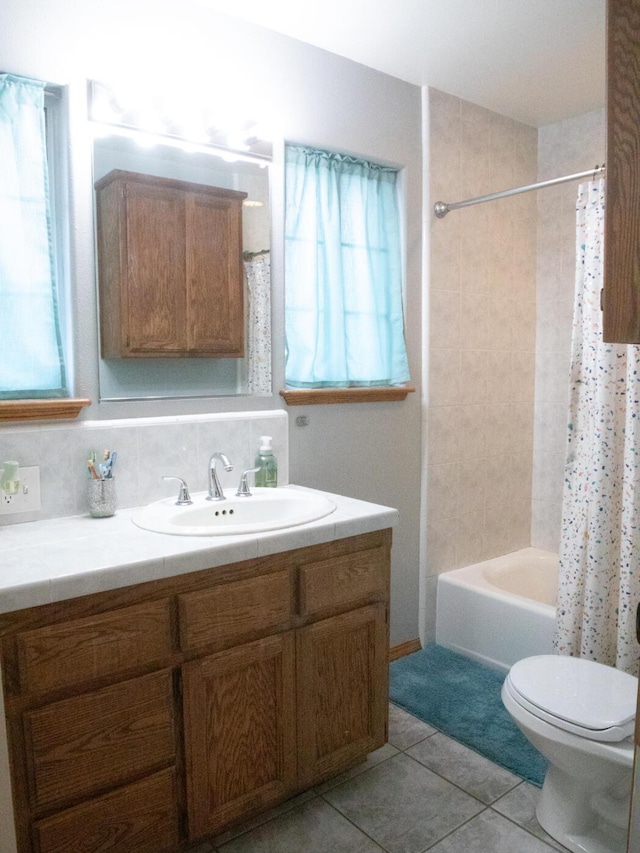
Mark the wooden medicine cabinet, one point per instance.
(169, 267)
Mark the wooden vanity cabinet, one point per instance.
(150, 717)
(169, 267)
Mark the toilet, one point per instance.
(580, 715)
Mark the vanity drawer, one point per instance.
(341, 582)
(80, 747)
(141, 817)
(236, 611)
(83, 649)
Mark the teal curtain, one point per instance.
(31, 363)
(343, 269)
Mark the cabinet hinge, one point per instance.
(602, 298)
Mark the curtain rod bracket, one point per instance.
(441, 208)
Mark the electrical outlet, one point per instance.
(28, 497)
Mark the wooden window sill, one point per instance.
(42, 410)
(325, 396)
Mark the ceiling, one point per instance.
(536, 61)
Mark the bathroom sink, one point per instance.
(265, 509)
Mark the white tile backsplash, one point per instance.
(147, 448)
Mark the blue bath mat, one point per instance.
(461, 698)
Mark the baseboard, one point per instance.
(406, 648)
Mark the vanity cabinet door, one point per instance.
(342, 679)
(240, 733)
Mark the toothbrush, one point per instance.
(92, 469)
(105, 467)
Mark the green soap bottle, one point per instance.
(267, 476)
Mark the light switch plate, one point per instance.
(28, 497)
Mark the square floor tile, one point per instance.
(313, 827)
(376, 757)
(472, 772)
(520, 806)
(261, 818)
(405, 730)
(489, 832)
(402, 805)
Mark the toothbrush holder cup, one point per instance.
(102, 497)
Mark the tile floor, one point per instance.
(421, 791)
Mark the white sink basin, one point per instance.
(265, 509)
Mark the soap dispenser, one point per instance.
(267, 475)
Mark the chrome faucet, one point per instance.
(215, 489)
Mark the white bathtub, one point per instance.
(501, 610)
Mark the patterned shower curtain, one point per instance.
(599, 585)
(258, 278)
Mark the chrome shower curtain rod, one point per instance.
(441, 208)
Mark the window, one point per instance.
(343, 264)
(31, 354)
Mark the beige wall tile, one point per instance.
(510, 351)
(444, 377)
(441, 551)
(472, 431)
(444, 319)
(474, 376)
(442, 491)
(474, 321)
(483, 420)
(443, 434)
(498, 428)
(470, 546)
(473, 483)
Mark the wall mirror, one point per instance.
(122, 142)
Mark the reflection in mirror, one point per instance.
(153, 378)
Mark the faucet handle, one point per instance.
(243, 487)
(184, 498)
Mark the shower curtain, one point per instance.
(257, 268)
(599, 585)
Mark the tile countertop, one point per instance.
(61, 558)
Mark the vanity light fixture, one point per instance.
(147, 140)
(194, 128)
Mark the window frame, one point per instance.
(296, 395)
(54, 408)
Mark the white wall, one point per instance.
(369, 451)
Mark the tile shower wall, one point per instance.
(481, 330)
(564, 148)
(147, 449)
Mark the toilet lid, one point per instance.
(581, 696)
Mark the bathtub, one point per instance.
(501, 610)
